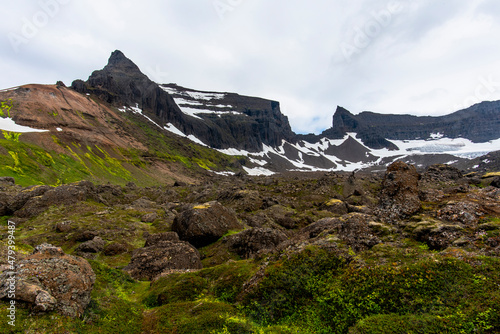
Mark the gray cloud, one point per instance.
(425, 58)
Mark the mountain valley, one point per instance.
(129, 206)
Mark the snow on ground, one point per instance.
(137, 110)
(170, 127)
(226, 173)
(257, 171)
(459, 147)
(7, 124)
(184, 99)
(9, 89)
(196, 140)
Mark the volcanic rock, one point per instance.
(252, 241)
(205, 224)
(149, 262)
(354, 229)
(49, 279)
(399, 197)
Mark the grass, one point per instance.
(335, 297)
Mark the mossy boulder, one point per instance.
(204, 224)
(49, 279)
(250, 242)
(149, 262)
(399, 197)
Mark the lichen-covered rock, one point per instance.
(399, 197)
(49, 279)
(437, 235)
(115, 248)
(154, 239)
(441, 173)
(64, 226)
(95, 245)
(149, 262)
(252, 241)
(496, 182)
(8, 180)
(335, 206)
(65, 194)
(205, 224)
(149, 217)
(354, 229)
(467, 213)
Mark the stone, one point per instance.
(7, 180)
(149, 262)
(496, 182)
(354, 229)
(204, 224)
(464, 212)
(154, 239)
(441, 173)
(64, 226)
(115, 248)
(85, 236)
(399, 197)
(335, 206)
(95, 245)
(250, 242)
(49, 279)
(149, 217)
(437, 235)
(63, 195)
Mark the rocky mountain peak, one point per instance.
(118, 61)
(344, 119)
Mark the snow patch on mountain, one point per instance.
(8, 124)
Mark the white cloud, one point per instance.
(425, 58)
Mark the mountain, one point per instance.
(479, 123)
(235, 121)
(52, 135)
(120, 125)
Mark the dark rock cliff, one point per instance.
(479, 123)
(258, 121)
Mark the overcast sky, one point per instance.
(421, 57)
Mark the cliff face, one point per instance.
(227, 121)
(479, 123)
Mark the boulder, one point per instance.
(149, 262)
(149, 217)
(21, 198)
(437, 235)
(64, 226)
(205, 224)
(465, 212)
(85, 236)
(354, 229)
(496, 182)
(49, 279)
(8, 180)
(441, 173)
(154, 239)
(115, 248)
(335, 206)
(62, 195)
(399, 197)
(252, 241)
(95, 245)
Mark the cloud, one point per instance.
(425, 57)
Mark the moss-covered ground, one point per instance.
(399, 285)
